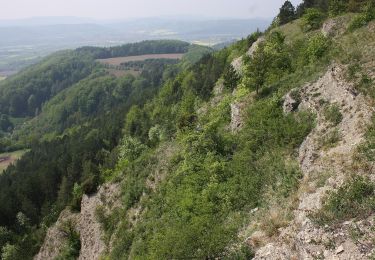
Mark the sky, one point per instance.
(123, 9)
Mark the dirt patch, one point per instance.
(120, 73)
(119, 60)
(7, 159)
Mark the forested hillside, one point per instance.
(68, 111)
(264, 149)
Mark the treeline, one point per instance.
(328, 7)
(133, 49)
(95, 95)
(23, 94)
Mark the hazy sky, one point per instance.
(120, 9)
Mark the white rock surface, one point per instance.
(85, 222)
(302, 239)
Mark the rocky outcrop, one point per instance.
(291, 101)
(85, 223)
(302, 239)
(56, 238)
(92, 245)
(236, 117)
(335, 26)
(237, 63)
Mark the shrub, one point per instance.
(313, 19)
(337, 7)
(73, 245)
(316, 48)
(360, 21)
(333, 115)
(354, 199)
(231, 78)
(9, 252)
(330, 139)
(77, 197)
(367, 149)
(366, 85)
(130, 148)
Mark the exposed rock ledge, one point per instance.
(85, 222)
(238, 62)
(302, 239)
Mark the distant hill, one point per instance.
(23, 42)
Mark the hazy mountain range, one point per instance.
(24, 41)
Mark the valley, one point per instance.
(7, 159)
(262, 148)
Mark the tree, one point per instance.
(32, 105)
(287, 13)
(337, 7)
(268, 62)
(5, 124)
(257, 68)
(313, 19)
(231, 78)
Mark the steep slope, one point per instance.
(268, 156)
(85, 223)
(71, 140)
(331, 164)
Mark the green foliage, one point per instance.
(287, 13)
(130, 149)
(313, 19)
(209, 181)
(330, 139)
(231, 78)
(337, 7)
(268, 63)
(317, 47)
(134, 49)
(77, 194)
(24, 94)
(367, 149)
(364, 18)
(5, 124)
(73, 245)
(9, 252)
(194, 54)
(332, 114)
(354, 199)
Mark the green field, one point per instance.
(8, 158)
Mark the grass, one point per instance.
(11, 157)
(330, 139)
(354, 199)
(333, 115)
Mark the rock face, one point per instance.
(290, 102)
(236, 117)
(335, 26)
(302, 239)
(85, 222)
(56, 238)
(238, 110)
(237, 63)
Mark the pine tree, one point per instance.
(287, 13)
(231, 78)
